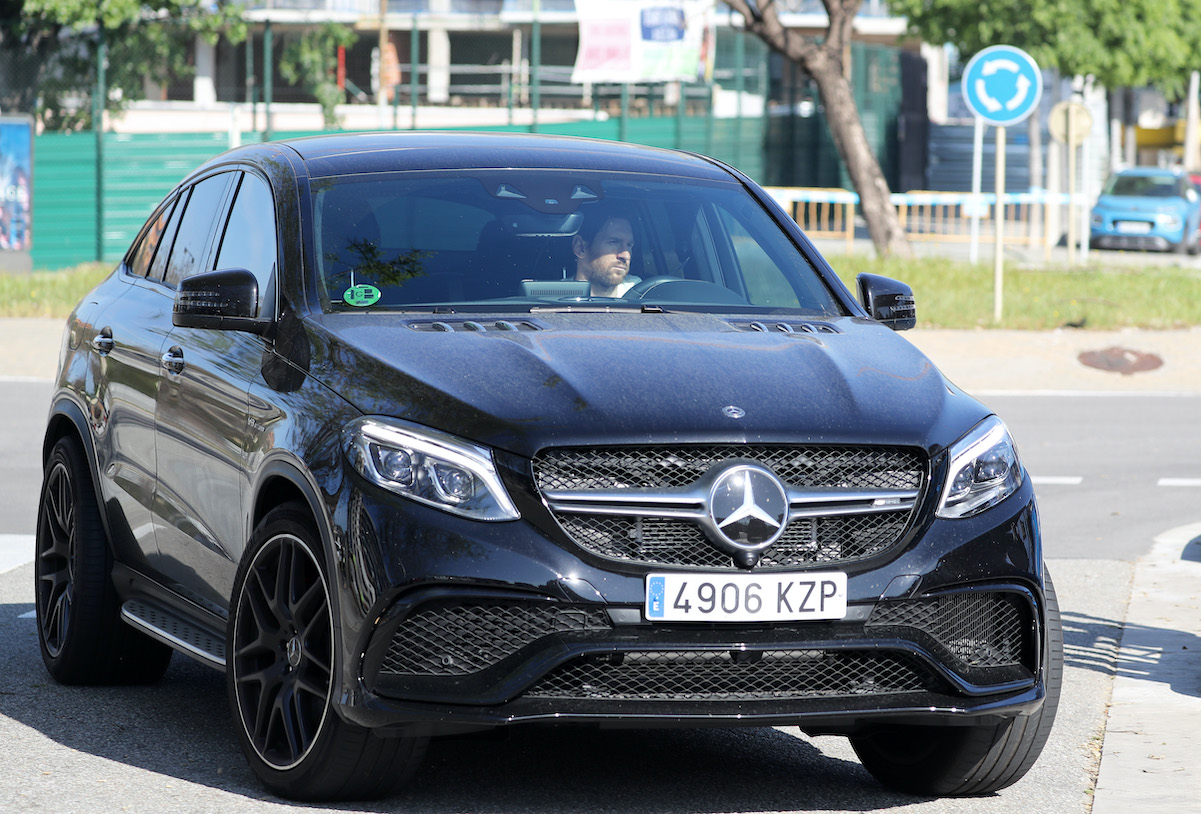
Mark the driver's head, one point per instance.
(602, 250)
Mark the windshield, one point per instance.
(528, 239)
(1147, 186)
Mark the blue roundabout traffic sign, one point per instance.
(1002, 85)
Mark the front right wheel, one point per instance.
(282, 645)
(966, 761)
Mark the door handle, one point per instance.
(103, 342)
(172, 360)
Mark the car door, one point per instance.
(120, 385)
(202, 412)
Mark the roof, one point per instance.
(343, 153)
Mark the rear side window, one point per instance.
(143, 254)
(196, 228)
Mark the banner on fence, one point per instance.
(16, 183)
(644, 40)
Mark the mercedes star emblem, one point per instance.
(748, 510)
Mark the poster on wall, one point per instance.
(643, 40)
(16, 192)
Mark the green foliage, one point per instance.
(311, 61)
(1123, 43)
(48, 293)
(51, 47)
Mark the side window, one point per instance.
(765, 282)
(250, 239)
(140, 259)
(159, 265)
(196, 228)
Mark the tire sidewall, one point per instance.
(292, 524)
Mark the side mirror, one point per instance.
(226, 299)
(887, 300)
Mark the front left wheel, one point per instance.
(282, 671)
(80, 633)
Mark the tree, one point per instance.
(48, 49)
(1121, 43)
(823, 60)
(312, 60)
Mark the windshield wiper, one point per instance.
(593, 308)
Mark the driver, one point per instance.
(602, 251)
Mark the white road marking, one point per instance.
(1187, 482)
(1056, 480)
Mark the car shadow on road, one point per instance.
(180, 728)
(1159, 654)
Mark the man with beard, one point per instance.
(602, 249)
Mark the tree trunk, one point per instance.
(846, 128)
(824, 62)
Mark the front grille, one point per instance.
(980, 629)
(701, 675)
(659, 541)
(642, 537)
(450, 639)
(665, 467)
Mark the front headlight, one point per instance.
(1168, 220)
(984, 471)
(430, 467)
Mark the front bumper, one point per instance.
(947, 627)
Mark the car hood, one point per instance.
(1132, 203)
(587, 378)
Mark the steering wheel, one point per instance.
(677, 289)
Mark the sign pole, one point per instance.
(1002, 85)
(999, 217)
(1071, 185)
(977, 161)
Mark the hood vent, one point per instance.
(788, 327)
(442, 326)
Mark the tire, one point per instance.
(973, 760)
(283, 650)
(80, 632)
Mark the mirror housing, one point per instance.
(226, 299)
(889, 301)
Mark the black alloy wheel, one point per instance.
(80, 633)
(282, 671)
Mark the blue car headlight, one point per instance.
(984, 470)
(430, 467)
(1168, 220)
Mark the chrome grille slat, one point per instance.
(645, 504)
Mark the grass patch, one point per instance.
(48, 293)
(956, 294)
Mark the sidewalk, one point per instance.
(1153, 734)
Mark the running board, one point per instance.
(202, 644)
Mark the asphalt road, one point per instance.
(1112, 473)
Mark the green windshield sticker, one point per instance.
(362, 295)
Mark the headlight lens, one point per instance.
(430, 467)
(984, 471)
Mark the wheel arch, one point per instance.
(67, 418)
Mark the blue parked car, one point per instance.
(1148, 208)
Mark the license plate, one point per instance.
(745, 597)
(1133, 227)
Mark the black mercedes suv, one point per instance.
(430, 433)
